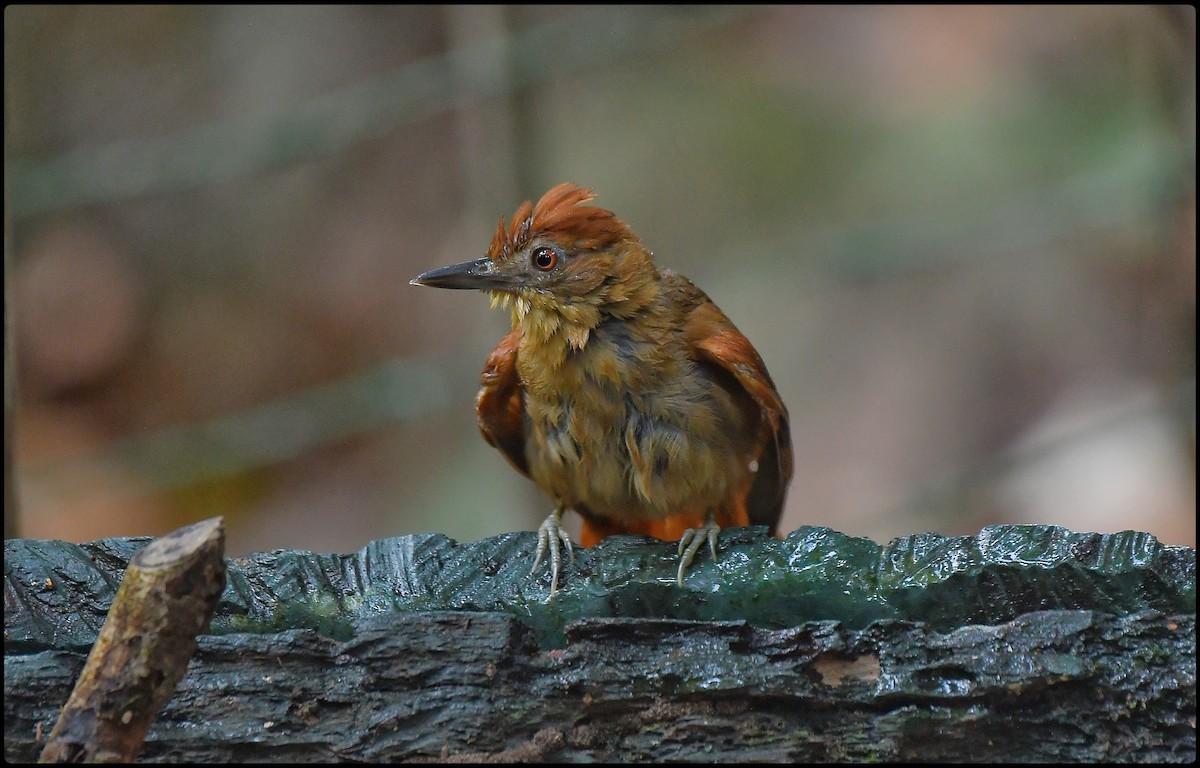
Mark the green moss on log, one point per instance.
(58, 593)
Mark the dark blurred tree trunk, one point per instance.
(10, 369)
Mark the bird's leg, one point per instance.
(551, 536)
(694, 538)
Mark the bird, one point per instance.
(622, 391)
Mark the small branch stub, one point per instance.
(166, 599)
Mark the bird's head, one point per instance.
(561, 264)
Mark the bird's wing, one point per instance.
(715, 341)
(500, 403)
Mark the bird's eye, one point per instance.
(545, 258)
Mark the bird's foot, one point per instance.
(692, 540)
(552, 537)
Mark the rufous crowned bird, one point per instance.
(622, 390)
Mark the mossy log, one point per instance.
(1029, 643)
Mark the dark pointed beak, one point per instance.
(481, 274)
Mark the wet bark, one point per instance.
(1021, 643)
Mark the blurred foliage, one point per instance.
(963, 240)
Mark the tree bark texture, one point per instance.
(1027, 643)
(165, 600)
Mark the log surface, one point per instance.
(1022, 643)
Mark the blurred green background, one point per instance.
(962, 238)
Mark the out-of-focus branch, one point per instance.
(282, 429)
(338, 120)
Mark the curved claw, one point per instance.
(552, 537)
(691, 541)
